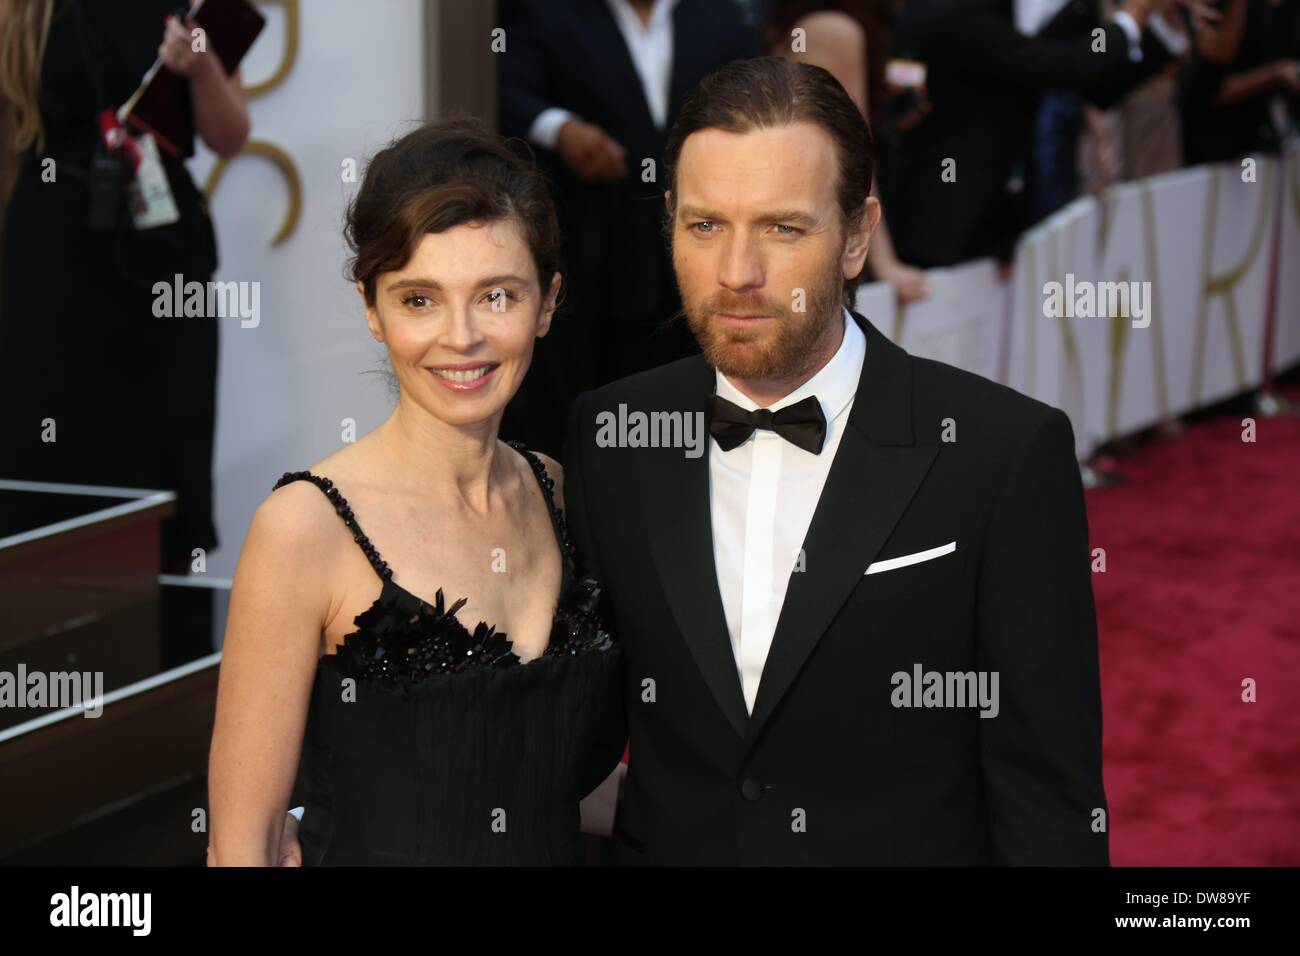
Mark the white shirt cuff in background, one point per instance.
(1130, 28)
(546, 128)
(1175, 42)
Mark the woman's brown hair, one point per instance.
(25, 32)
(439, 176)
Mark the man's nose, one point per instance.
(741, 267)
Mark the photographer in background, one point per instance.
(94, 388)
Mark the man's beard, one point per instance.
(789, 353)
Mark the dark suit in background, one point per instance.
(708, 783)
(619, 284)
(984, 80)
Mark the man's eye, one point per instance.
(784, 230)
(701, 227)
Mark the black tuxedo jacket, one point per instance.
(984, 81)
(826, 769)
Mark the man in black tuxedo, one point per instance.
(984, 78)
(594, 85)
(857, 612)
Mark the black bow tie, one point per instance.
(801, 424)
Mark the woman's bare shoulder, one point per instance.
(296, 516)
(299, 513)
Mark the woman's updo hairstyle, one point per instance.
(437, 177)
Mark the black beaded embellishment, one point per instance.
(402, 639)
(548, 483)
(398, 643)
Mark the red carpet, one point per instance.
(1202, 590)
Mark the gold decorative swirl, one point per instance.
(284, 164)
(278, 157)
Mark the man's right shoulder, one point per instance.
(679, 384)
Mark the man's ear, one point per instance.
(549, 305)
(372, 314)
(668, 204)
(859, 241)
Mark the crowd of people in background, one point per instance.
(988, 115)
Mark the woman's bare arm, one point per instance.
(1278, 76)
(279, 607)
(220, 111)
(220, 107)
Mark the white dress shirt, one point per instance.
(762, 495)
(651, 47)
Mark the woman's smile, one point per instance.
(466, 377)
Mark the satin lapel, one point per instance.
(675, 496)
(876, 472)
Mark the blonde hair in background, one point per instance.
(22, 49)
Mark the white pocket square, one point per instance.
(917, 558)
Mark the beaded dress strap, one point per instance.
(548, 491)
(345, 512)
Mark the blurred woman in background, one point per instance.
(95, 388)
(850, 39)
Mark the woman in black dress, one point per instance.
(130, 397)
(407, 619)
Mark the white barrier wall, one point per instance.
(1200, 242)
(960, 323)
(1286, 338)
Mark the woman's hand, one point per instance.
(908, 282)
(1287, 76)
(177, 49)
(290, 850)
